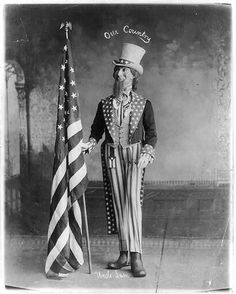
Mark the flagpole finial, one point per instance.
(67, 26)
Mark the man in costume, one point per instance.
(130, 138)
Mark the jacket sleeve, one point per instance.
(149, 125)
(98, 125)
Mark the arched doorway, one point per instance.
(15, 134)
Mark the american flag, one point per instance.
(69, 178)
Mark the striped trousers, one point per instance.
(125, 177)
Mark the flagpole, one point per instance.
(87, 235)
(66, 29)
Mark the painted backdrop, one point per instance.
(186, 76)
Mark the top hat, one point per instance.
(131, 56)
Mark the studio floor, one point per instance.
(177, 265)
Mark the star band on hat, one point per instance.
(131, 56)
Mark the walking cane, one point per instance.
(87, 234)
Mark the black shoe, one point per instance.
(137, 268)
(121, 261)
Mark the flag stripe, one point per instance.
(75, 228)
(61, 188)
(74, 128)
(61, 242)
(76, 165)
(58, 176)
(75, 152)
(59, 228)
(68, 267)
(73, 261)
(74, 140)
(76, 249)
(77, 215)
(58, 212)
(78, 190)
(60, 264)
(77, 177)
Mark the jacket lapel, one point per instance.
(138, 104)
(109, 116)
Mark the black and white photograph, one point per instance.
(117, 147)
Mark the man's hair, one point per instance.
(134, 73)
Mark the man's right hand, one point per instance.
(86, 146)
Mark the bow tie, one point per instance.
(124, 98)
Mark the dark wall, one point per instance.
(186, 76)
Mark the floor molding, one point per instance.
(40, 242)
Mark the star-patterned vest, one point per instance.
(123, 132)
(137, 107)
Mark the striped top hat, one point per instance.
(131, 56)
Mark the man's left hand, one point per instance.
(144, 160)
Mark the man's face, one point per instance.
(124, 73)
(123, 80)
